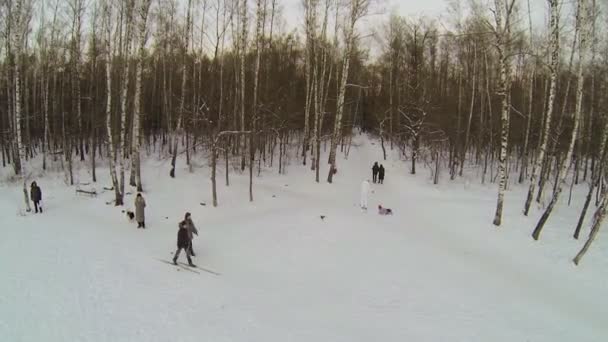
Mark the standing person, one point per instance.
(375, 170)
(364, 193)
(36, 196)
(191, 231)
(140, 205)
(183, 242)
(381, 174)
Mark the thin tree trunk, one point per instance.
(182, 101)
(503, 37)
(114, 152)
(142, 20)
(554, 48)
(582, 20)
(468, 130)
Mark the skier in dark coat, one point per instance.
(381, 174)
(191, 228)
(183, 242)
(375, 170)
(36, 196)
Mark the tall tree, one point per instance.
(114, 151)
(582, 18)
(358, 8)
(19, 28)
(142, 20)
(502, 32)
(182, 99)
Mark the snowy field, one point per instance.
(437, 270)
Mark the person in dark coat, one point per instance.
(140, 205)
(191, 231)
(381, 174)
(375, 170)
(183, 242)
(36, 196)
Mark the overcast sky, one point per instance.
(293, 11)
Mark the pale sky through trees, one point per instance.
(292, 11)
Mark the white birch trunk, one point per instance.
(182, 101)
(562, 173)
(243, 55)
(19, 30)
(542, 151)
(137, 119)
(502, 37)
(114, 152)
(358, 7)
(598, 218)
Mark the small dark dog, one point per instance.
(130, 215)
(384, 211)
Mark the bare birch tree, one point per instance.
(542, 151)
(358, 8)
(142, 20)
(503, 36)
(114, 151)
(19, 22)
(563, 172)
(182, 100)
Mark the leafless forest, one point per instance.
(110, 81)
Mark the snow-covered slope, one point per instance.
(435, 271)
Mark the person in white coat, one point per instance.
(364, 193)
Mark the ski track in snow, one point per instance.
(437, 270)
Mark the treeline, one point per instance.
(102, 79)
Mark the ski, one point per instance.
(200, 268)
(180, 266)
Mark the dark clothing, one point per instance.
(36, 194)
(140, 205)
(179, 250)
(375, 170)
(141, 224)
(189, 225)
(190, 249)
(381, 174)
(183, 241)
(190, 228)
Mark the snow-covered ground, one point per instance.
(437, 270)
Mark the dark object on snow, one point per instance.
(274, 196)
(172, 173)
(140, 205)
(36, 196)
(381, 174)
(375, 170)
(130, 215)
(183, 242)
(91, 193)
(384, 211)
(109, 189)
(191, 230)
(181, 266)
(203, 204)
(322, 217)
